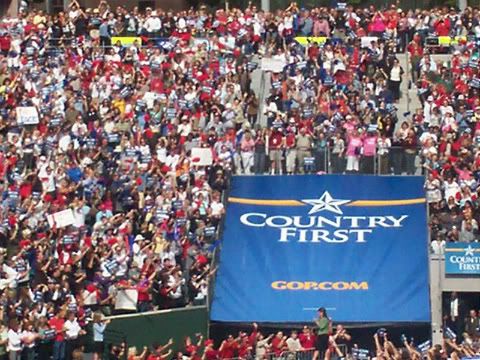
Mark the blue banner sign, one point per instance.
(462, 259)
(356, 245)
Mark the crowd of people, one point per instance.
(323, 341)
(114, 157)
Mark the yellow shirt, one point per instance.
(120, 105)
(39, 19)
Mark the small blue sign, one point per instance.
(462, 259)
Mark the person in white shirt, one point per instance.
(438, 246)
(451, 188)
(28, 337)
(72, 333)
(153, 24)
(14, 344)
(428, 109)
(293, 342)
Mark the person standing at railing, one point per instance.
(304, 147)
(278, 344)
(290, 150)
(99, 326)
(247, 147)
(369, 152)
(384, 144)
(262, 347)
(342, 339)
(410, 146)
(307, 339)
(275, 144)
(293, 342)
(260, 152)
(228, 348)
(338, 152)
(354, 149)
(323, 328)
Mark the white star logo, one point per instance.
(326, 202)
(469, 251)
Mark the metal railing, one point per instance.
(392, 161)
(304, 354)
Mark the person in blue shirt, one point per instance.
(105, 34)
(99, 326)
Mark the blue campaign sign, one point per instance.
(356, 245)
(462, 259)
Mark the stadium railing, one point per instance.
(284, 355)
(395, 161)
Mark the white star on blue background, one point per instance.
(469, 251)
(327, 203)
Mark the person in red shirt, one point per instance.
(442, 26)
(291, 152)
(278, 343)
(158, 353)
(210, 353)
(229, 348)
(307, 339)
(244, 349)
(275, 144)
(57, 323)
(416, 53)
(190, 347)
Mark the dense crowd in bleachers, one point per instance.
(114, 158)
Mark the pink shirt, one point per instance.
(377, 24)
(247, 145)
(370, 146)
(353, 143)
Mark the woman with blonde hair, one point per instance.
(132, 353)
(99, 326)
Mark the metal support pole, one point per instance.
(328, 167)
(408, 75)
(265, 5)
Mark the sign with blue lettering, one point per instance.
(462, 259)
(27, 115)
(356, 245)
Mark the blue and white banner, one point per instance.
(462, 259)
(356, 245)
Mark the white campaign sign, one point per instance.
(126, 299)
(27, 115)
(61, 219)
(204, 156)
(366, 41)
(274, 65)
